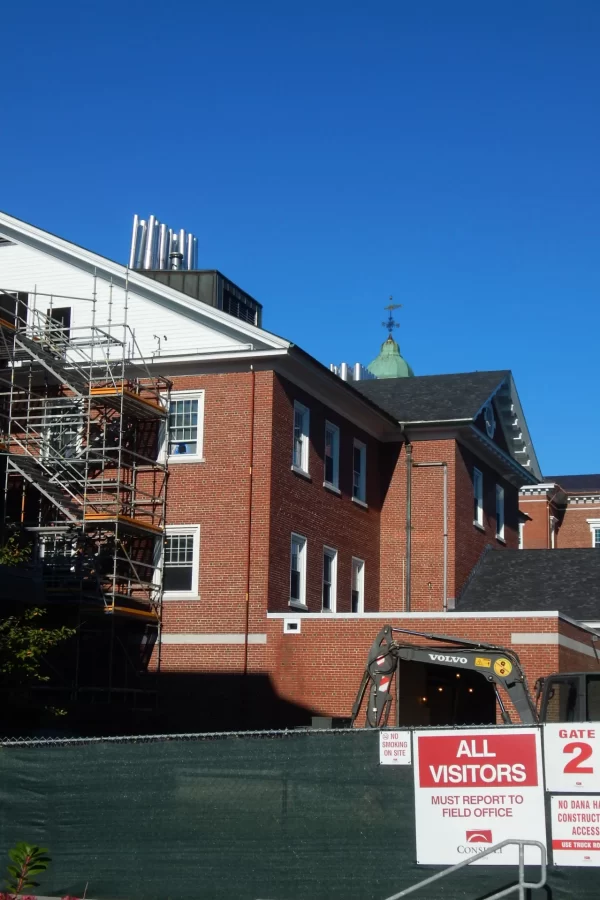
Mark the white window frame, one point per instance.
(362, 485)
(335, 481)
(521, 535)
(332, 554)
(478, 496)
(304, 411)
(198, 456)
(594, 527)
(500, 512)
(359, 566)
(298, 603)
(55, 425)
(194, 530)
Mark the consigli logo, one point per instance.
(476, 842)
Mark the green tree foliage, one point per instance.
(24, 641)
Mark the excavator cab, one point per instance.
(572, 697)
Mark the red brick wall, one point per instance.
(536, 531)
(215, 494)
(323, 517)
(574, 530)
(324, 664)
(470, 540)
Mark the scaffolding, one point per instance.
(83, 429)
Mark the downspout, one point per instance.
(409, 465)
(444, 467)
(249, 541)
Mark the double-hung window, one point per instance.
(186, 415)
(329, 579)
(301, 434)
(358, 585)
(477, 498)
(595, 530)
(298, 571)
(332, 456)
(500, 512)
(181, 560)
(63, 429)
(359, 470)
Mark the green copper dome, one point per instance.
(389, 363)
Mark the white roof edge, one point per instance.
(535, 466)
(19, 230)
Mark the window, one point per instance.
(358, 586)
(301, 430)
(59, 325)
(63, 430)
(477, 498)
(521, 535)
(332, 455)
(499, 512)
(181, 559)
(298, 571)
(186, 414)
(553, 527)
(359, 468)
(595, 529)
(329, 579)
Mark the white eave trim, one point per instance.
(524, 473)
(23, 232)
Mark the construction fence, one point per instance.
(294, 815)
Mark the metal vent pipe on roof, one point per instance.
(156, 246)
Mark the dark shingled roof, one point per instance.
(576, 483)
(432, 398)
(536, 580)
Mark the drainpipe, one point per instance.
(249, 541)
(409, 465)
(444, 467)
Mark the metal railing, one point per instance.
(521, 885)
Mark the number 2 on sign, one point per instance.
(574, 767)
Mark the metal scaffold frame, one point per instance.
(83, 427)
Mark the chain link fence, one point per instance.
(277, 815)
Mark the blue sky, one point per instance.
(328, 155)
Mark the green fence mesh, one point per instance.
(276, 816)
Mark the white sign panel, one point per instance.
(572, 757)
(475, 788)
(394, 748)
(575, 830)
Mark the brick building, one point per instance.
(561, 512)
(303, 511)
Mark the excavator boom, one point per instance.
(498, 665)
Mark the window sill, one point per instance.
(295, 604)
(174, 595)
(478, 526)
(184, 458)
(331, 487)
(360, 502)
(500, 539)
(301, 472)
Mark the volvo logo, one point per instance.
(439, 657)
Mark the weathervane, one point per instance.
(390, 323)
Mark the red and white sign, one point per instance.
(394, 748)
(475, 788)
(576, 830)
(572, 756)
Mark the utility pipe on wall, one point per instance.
(409, 465)
(444, 467)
